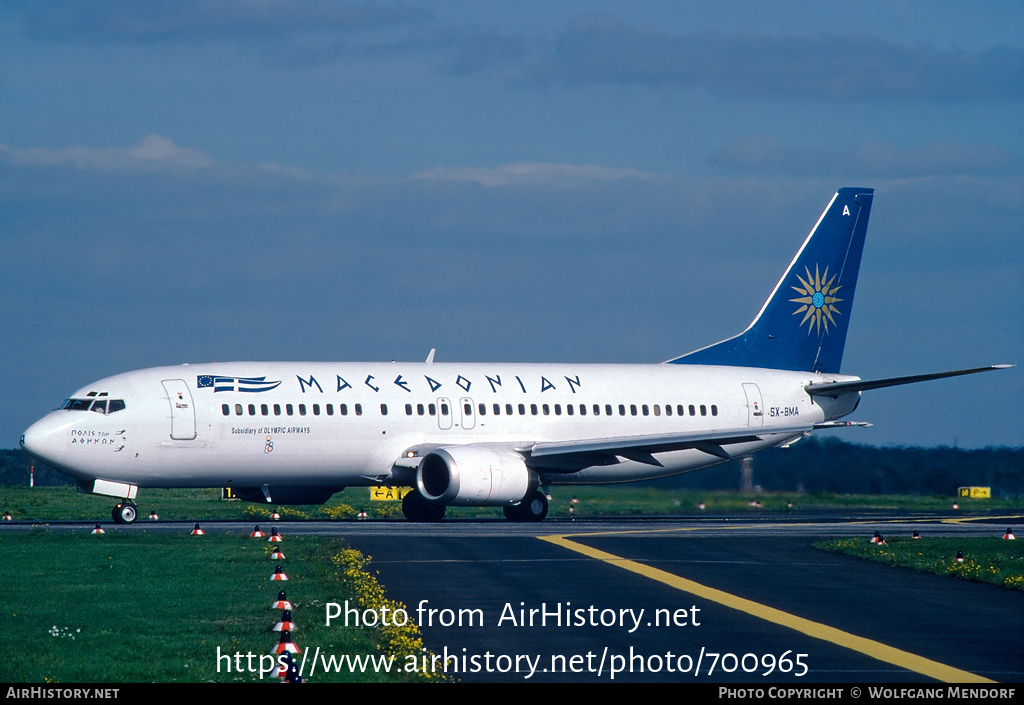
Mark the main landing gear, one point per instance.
(125, 513)
(534, 507)
(416, 508)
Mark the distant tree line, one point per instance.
(14, 471)
(812, 465)
(830, 465)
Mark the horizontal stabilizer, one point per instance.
(834, 389)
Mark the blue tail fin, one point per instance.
(802, 325)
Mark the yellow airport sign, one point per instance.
(388, 494)
(976, 492)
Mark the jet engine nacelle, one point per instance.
(474, 476)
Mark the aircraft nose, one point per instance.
(47, 440)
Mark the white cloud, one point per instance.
(153, 153)
(532, 174)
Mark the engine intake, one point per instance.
(474, 476)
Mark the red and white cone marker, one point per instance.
(281, 603)
(8, 517)
(153, 516)
(285, 623)
(256, 533)
(1009, 535)
(916, 535)
(196, 531)
(876, 538)
(98, 530)
(274, 536)
(959, 556)
(275, 516)
(881, 541)
(276, 554)
(701, 506)
(286, 644)
(362, 513)
(278, 574)
(288, 670)
(955, 505)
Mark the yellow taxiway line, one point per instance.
(873, 649)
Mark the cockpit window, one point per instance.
(100, 406)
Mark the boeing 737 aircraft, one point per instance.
(478, 434)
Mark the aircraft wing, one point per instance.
(573, 455)
(832, 389)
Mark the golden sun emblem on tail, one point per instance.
(818, 297)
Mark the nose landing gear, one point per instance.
(125, 513)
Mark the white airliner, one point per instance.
(478, 434)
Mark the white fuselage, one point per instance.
(353, 424)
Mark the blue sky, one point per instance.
(580, 181)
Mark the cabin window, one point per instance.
(359, 409)
(546, 409)
(316, 410)
(289, 409)
(302, 409)
(330, 409)
(703, 410)
(432, 409)
(238, 409)
(693, 410)
(100, 407)
(420, 410)
(115, 405)
(444, 409)
(657, 410)
(714, 410)
(533, 409)
(383, 409)
(497, 409)
(225, 409)
(632, 409)
(569, 409)
(645, 410)
(508, 409)
(264, 409)
(467, 409)
(597, 409)
(668, 409)
(483, 409)
(408, 409)
(252, 410)
(558, 409)
(583, 409)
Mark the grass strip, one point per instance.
(137, 606)
(985, 560)
(64, 503)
